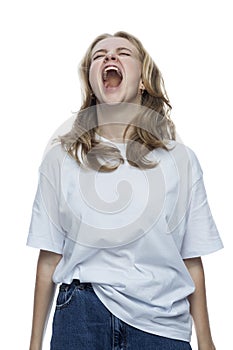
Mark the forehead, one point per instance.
(112, 43)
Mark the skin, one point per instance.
(107, 52)
(116, 104)
(120, 52)
(43, 296)
(198, 305)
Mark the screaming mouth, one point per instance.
(112, 76)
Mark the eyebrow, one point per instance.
(118, 49)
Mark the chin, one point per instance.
(111, 99)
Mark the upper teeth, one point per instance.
(111, 68)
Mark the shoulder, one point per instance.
(180, 147)
(185, 157)
(53, 159)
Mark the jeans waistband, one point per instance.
(77, 283)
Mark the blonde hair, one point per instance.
(152, 128)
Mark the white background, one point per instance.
(42, 43)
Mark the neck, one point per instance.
(114, 118)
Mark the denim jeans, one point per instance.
(82, 322)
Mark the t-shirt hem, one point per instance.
(43, 244)
(155, 329)
(204, 251)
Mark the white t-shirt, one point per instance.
(127, 232)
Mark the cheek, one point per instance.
(134, 76)
(134, 69)
(93, 77)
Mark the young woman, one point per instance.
(121, 216)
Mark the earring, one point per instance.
(142, 88)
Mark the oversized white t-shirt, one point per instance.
(127, 232)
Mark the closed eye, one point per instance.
(97, 57)
(124, 54)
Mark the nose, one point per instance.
(110, 56)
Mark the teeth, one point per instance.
(105, 73)
(111, 68)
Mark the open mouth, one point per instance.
(112, 76)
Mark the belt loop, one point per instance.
(76, 282)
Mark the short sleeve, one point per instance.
(45, 231)
(201, 234)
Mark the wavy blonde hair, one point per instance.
(152, 128)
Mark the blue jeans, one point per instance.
(82, 322)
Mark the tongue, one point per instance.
(112, 80)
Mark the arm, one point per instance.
(43, 297)
(198, 305)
